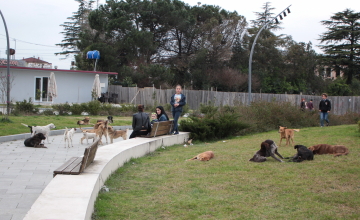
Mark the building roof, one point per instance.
(58, 70)
(34, 60)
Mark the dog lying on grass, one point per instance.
(303, 153)
(41, 129)
(113, 134)
(68, 136)
(287, 134)
(268, 148)
(35, 141)
(85, 121)
(337, 150)
(207, 155)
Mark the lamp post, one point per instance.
(253, 46)
(8, 69)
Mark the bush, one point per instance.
(76, 109)
(25, 107)
(63, 109)
(94, 107)
(186, 109)
(48, 112)
(217, 126)
(84, 107)
(209, 109)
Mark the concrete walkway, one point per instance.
(26, 171)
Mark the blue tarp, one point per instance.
(93, 54)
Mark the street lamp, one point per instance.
(8, 69)
(253, 46)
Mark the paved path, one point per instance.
(25, 171)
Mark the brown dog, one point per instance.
(337, 150)
(287, 134)
(100, 129)
(207, 155)
(113, 134)
(85, 121)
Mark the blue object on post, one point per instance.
(93, 55)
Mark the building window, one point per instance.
(337, 72)
(41, 89)
(328, 72)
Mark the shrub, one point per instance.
(217, 126)
(94, 107)
(209, 109)
(25, 107)
(84, 107)
(76, 109)
(48, 112)
(63, 109)
(186, 109)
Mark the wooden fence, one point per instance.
(148, 96)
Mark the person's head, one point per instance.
(160, 110)
(324, 96)
(140, 108)
(153, 115)
(311, 100)
(178, 89)
(303, 99)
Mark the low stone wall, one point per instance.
(73, 196)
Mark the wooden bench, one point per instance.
(161, 128)
(77, 165)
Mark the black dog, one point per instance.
(268, 148)
(35, 141)
(110, 119)
(302, 154)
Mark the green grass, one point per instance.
(162, 185)
(59, 121)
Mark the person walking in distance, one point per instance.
(178, 100)
(324, 108)
(310, 105)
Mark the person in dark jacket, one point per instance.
(178, 100)
(310, 105)
(302, 104)
(161, 114)
(141, 123)
(324, 108)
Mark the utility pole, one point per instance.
(8, 68)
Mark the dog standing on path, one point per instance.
(287, 134)
(41, 129)
(68, 136)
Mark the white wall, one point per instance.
(72, 87)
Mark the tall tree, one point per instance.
(264, 17)
(342, 42)
(73, 27)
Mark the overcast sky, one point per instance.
(34, 23)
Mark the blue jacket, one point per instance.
(162, 118)
(181, 103)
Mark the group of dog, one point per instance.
(101, 128)
(268, 148)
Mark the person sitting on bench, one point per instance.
(141, 123)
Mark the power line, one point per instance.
(31, 43)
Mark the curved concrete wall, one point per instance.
(73, 196)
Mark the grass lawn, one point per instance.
(163, 185)
(59, 121)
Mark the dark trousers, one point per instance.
(138, 134)
(176, 116)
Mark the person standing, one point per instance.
(302, 104)
(324, 108)
(178, 100)
(141, 123)
(310, 105)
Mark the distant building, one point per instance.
(32, 62)
(329, 72)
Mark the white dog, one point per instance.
(41, 129)
(87, 136)
(68, 135)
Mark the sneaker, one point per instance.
(327, 124)
(176, 133)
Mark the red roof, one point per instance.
(58, 70)
(34, 60)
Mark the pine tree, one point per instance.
(73, 27)
(264, 17)
(343, 41)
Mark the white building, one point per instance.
(73, 86)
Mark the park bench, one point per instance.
(77, 165)
(161, 128)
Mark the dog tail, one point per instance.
(194, 158)
(66, 131)
(297, 130)
(26, 125)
